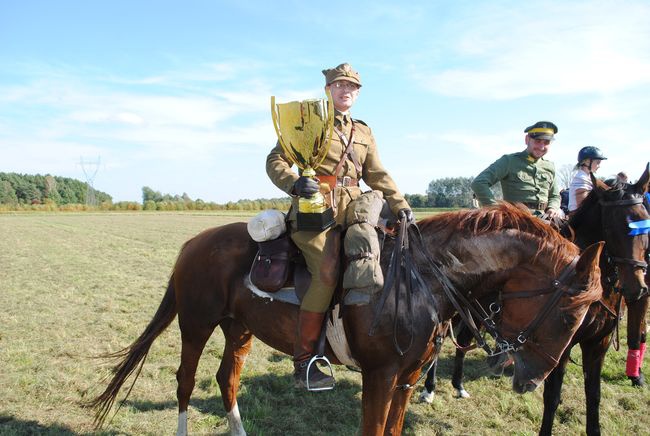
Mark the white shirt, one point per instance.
(580, 181)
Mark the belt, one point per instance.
(536, 206)
(334, 181)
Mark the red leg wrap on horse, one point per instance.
(641, 354)
(632, 365)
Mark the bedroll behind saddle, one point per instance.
(361, 244)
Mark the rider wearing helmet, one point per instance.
(589, 159)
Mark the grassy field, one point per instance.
(73, 286)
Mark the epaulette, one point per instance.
(359, 121)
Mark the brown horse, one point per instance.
(603, 216)
(502, 246)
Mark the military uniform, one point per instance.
(523, 178)
(370, 170)
(341, 172)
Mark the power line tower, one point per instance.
(90, 169)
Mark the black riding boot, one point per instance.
(308, 332)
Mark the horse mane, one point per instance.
(498, 218)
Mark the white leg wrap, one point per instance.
(182, 424)
(462, 393)
(234, 422)
(426, 396)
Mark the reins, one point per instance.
(402, 266)
(401, 269)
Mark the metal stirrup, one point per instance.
(313, 361)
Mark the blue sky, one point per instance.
(176, 95)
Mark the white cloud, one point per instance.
(586, 47)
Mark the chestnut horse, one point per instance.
(603, 216)
(503, 246)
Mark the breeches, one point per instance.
(320, 250)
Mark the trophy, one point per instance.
(304, 130)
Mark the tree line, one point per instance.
(25, 189)
(21, 191)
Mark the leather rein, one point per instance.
(402, 267)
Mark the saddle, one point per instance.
(279, 264)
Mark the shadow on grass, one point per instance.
(269, 404)
(475, 367)
(18, 427)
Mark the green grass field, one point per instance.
(74, 285)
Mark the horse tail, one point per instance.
(132, 358)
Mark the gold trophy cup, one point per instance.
(304, 130)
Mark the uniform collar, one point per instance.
(528, 158)
(341, 118)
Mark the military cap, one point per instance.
(541, 130)
(342, 72)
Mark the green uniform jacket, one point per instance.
(522, 180)
(278, 167)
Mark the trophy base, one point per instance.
(315, 222)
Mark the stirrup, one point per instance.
(313, 361)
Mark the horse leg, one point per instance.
(429, 384)
(398, 405)
(635, 337)
(376, 398)
(593, 356)
(239, 342)
(552, 393)
(464, 339)
(193, 339)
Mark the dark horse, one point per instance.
(503, 246)
(603, 216)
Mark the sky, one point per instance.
(176, 95)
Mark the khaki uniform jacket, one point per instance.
(523, 179)
(278, 167)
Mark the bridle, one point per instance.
(467, 309)
(624, 260)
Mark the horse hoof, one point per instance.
(426, 397)
(462, 393)
(638, 382)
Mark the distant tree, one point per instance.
(564, 174)
(450, 192)
(7, 193)
(416, 200)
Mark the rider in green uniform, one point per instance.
(525, 177)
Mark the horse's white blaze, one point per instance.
(234, 422)
(426, 396)
(182, 424)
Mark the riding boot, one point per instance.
(307, 335)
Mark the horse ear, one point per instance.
(599, 186)
(641, 187)
(589, 258)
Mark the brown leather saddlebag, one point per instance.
(273, 263)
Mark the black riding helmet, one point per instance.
(590, 153)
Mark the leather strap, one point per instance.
(334, 181)
(348, 150)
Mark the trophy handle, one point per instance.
(276, 126)
(329, 128)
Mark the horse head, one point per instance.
(539, 330)
(544, 284)
(625, 231)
